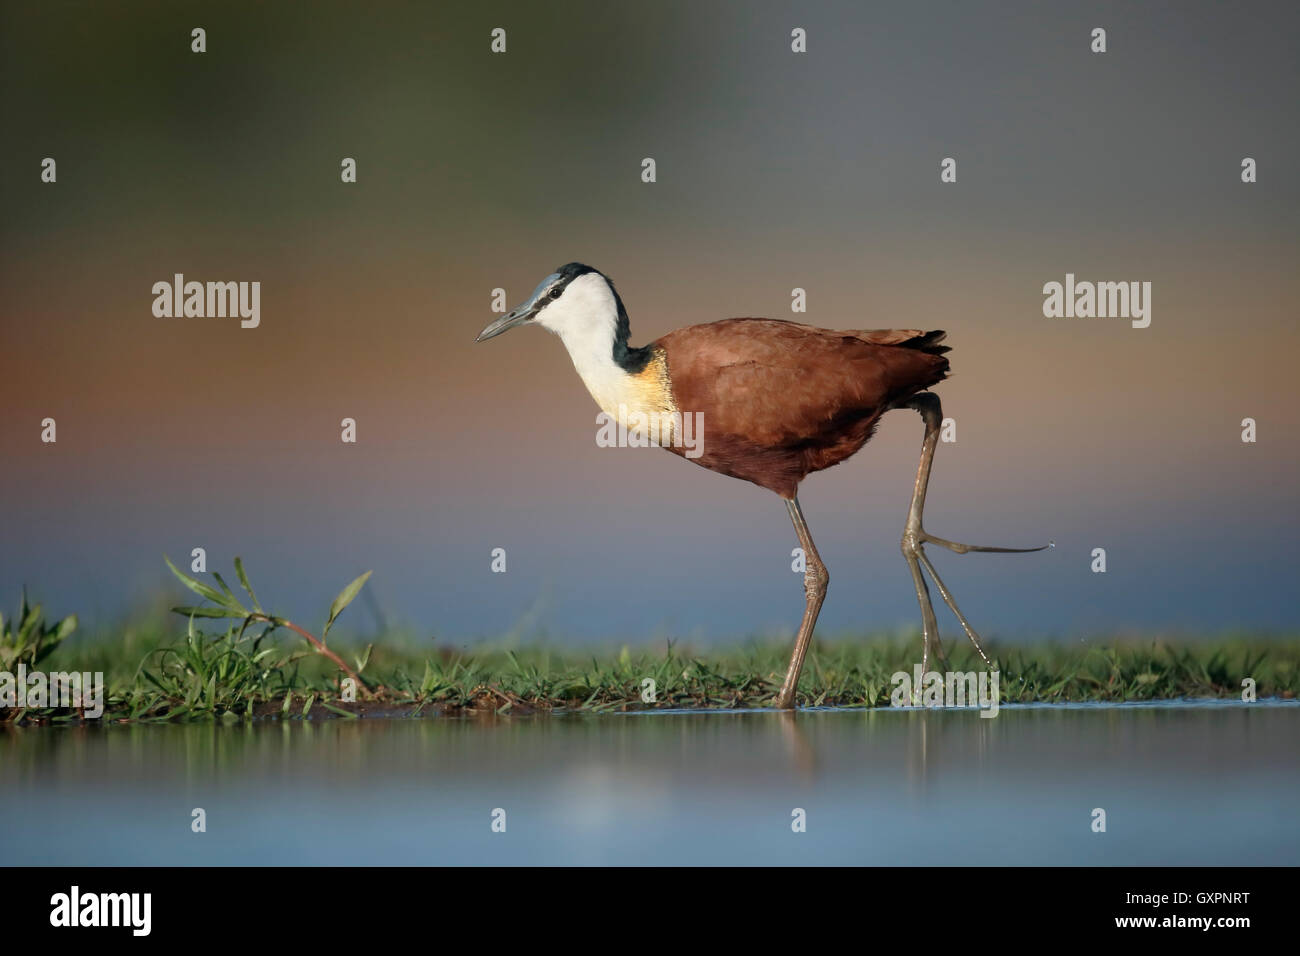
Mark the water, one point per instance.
(1180, 784)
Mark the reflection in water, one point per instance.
(1192, 784)
(801, 755)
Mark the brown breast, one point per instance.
(780, 400)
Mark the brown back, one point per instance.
(781, 399)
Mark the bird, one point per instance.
(779, 400)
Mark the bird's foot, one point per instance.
(914, 541)
(924, 536)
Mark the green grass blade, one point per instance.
(243, 580)
(344, 599)
(198, 587)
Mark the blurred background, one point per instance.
(775, 170)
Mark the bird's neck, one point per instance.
(620, 377)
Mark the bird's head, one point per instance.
(575, 301)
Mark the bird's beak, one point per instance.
(520, 315)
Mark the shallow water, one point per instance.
(1187, 783)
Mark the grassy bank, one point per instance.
(227, 659)
(202, 677)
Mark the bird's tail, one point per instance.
(927, 342)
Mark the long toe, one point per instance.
(960, 548)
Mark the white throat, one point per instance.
(585, 318)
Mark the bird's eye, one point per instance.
(555, 293)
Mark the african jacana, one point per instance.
(779, 401)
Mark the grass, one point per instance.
(234, 675)
(255, 664)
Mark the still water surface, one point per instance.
(1180, 784)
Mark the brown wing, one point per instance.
(777, 384)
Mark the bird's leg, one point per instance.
(915, 537)
(929, 626)
(911, 546)
(815, 580)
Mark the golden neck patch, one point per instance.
(641, 401)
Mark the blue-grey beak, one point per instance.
(522, 314)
